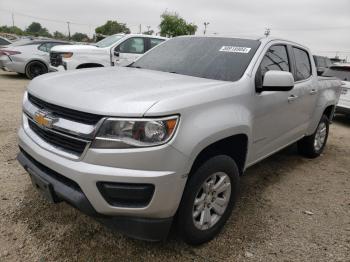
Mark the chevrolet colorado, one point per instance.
(164, 141)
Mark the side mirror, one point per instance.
(116, 53)
(277, 81)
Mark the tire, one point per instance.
(35, 68)
(312, 146)
(187, 225)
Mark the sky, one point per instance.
(322, 25)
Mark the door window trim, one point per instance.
(295, 64)
(117, 48)
(289, 57)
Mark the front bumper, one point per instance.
(100, 167)
(59, 68)
(67, 190)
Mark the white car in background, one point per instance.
(114, 50)
(341, 71)
(29, 57)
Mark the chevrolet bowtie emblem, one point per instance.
(44, 119)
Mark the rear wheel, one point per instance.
(208, 199)
(35, 68)
(312, 146)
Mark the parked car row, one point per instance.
(119, 50)
(33, 58)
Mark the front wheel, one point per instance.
(208, 199)
(312, 146)
(35, 68)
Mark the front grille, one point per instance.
(70, 114)
(62, 142)
(55, 59)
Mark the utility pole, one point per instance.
(140, 29)
(68, 23)
(13, 19)
(267, 31)
(205, 27)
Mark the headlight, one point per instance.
(67, 55)
(131, 133)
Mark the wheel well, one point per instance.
(329, 112)
(234, 146)
(41, 62)
(89, 65)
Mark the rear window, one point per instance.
(206, 57)
(303, 65)
(341, 72)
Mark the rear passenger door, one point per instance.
(306, 84)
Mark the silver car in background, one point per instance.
(342, 71)
(30, 58)
(4, 41)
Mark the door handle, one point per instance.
(313, 91)
(292, 98)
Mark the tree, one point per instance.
(149, 32)
(37, 30)
(173, 25)
(11, 30)
(59, 35)
(112, 27)
(80, 37)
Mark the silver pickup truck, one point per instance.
(164, 141)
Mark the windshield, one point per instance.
(341, 72)
(108, 41)
(206, 57)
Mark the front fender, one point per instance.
(207, 125)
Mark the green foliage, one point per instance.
(112, 27)
(59, 35)
(173, 25)
(80, 37)
(11, 30)
(37, 30)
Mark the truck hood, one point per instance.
(115, 91)
(73, 48)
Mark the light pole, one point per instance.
(68, 23)
(205, 26)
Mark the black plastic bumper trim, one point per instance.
(149, 229)
(126, 194)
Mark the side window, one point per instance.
(302, 63)
(51, 45)
(43, 47)
(154, 42)
(3, 42)
(276, 58)
(133, 45)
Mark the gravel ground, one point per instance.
(290, 209)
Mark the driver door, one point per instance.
(277, 118)
(128, 51)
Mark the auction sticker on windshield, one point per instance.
(235, 49)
